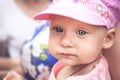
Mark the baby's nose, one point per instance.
(66, 41)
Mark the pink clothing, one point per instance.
(100, 72)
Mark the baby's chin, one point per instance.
(69, 62)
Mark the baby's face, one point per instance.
(74, 42)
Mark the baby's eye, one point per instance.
(81, 32)
(58, 29)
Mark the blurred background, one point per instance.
(16, 26)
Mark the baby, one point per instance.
(79, 31)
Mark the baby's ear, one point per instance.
(109, 38)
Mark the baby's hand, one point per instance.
(12, 75)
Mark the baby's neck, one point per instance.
(68, 71)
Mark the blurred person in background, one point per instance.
(36, 60)
(15, 27)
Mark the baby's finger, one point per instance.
(9, 76)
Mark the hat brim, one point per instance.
(73, 12)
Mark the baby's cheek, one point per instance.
(89, 52)
(50, 48)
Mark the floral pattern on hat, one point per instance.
(99, 8)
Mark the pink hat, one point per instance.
(89, 11)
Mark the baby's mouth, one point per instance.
(66, 54)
